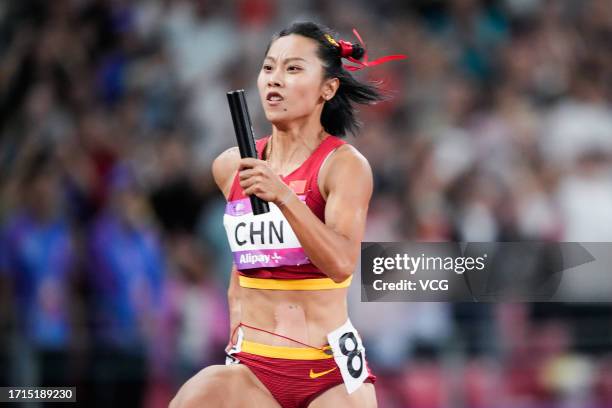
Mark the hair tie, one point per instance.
(347, 50)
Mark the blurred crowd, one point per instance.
(113, 259)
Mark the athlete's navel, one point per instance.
(291, 322)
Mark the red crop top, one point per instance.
(266, 251)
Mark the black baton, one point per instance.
(244, 137)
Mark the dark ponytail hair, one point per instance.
(338, 114)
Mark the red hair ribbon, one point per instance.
(346, 47)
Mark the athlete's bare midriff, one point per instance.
(306, 316)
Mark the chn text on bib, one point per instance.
(261, 241)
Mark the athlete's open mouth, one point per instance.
(274, 96)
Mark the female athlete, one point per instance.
(292, 344)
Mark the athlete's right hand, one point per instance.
(256, 177)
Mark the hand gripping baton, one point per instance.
(245, 139)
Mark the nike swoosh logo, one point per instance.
(322, 373)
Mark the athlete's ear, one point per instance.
(329, 88)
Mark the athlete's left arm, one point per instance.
(332, 246)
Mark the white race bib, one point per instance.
(349, 354)
(260, 241)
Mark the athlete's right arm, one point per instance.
(224, 169)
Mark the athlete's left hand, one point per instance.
(256, 177)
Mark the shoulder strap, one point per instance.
(329, 146)
(323, 152)
(260, 145)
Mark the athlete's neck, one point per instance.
(292, 144)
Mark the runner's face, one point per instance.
(291, 82)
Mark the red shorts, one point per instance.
(294, 376)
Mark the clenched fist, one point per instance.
(256, 177)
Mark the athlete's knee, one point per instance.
(206, 388)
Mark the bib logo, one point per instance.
(259, 258)
(254, 229)
(254, 258)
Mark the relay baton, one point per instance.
(245, 139)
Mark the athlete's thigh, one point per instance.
(337, 397)
(224, 386)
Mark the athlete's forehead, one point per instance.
(292, 48)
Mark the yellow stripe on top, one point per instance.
(292, 284)
(290, 353)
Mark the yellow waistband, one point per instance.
(290, 353)
(292, 284)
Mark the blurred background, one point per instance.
(113, 259)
